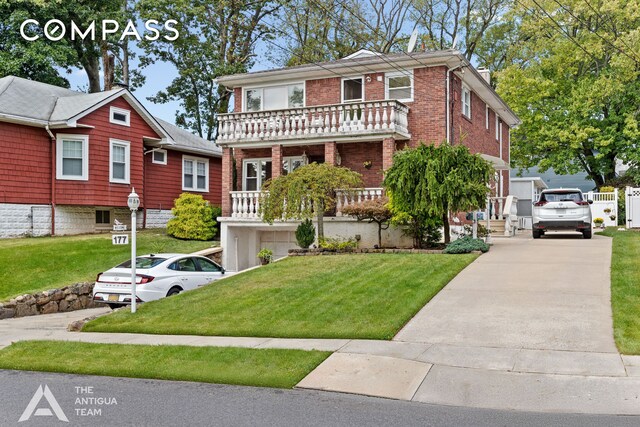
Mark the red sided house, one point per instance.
(355, 112)
(68, 161)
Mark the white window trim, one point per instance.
(342, 101)
(497, 125)
(290, 159)
(85, 156)
(262, 87)
(398, 74)
(153, 159)
(127, 161)
(195, 161)
(126, 113)
(256, 160)
(486, 118)
(466, 89)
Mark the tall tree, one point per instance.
(216, 38)
(429, 182)
(306, 192)
(38, 59)
(463, 21)
(575, 83)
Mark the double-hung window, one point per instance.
(399, 86)
(486, 117)
(274, 97)
(195, 174)
(466, 102)
(255, 172)
(497, 127)
(119, 163)
(72, 157)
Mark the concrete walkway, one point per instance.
(525, 327)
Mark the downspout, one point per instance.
(53, 180)
(144, 189)
(449, 103)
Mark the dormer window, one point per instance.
(274, 97)
(119, 116)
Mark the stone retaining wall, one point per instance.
(312, 252)
(69, 298)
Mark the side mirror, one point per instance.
(221, 270)
(590, 202)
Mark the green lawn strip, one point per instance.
(42, 263)
(224, 365)
(625, 289)
(347, 296)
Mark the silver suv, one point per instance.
(562, 209)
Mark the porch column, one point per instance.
(388, 148)
(227, 176)
(330, 151)
(276, 161)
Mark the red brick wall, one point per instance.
(374, 90)
(237, 100)
(164, 182)
(323, 91)
(427, 118)
(25, 164)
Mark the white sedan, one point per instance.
(157, 276)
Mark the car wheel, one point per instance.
(587, 233)
(114, 306)
(174, 291)
(536, 233)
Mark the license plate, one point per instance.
(561, 211)
(113, 297)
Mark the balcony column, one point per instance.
(330, 153)
(276, 161)
(388, 148)
(227, 177)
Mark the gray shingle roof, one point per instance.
(186, 141)
(34, 101)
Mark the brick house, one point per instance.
(354, 112)
(68, 161)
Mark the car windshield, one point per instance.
(564, 196)
(143, 262)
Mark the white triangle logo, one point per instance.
(43, 412)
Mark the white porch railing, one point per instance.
(246, 204)
(346, 199)
(353, 119)
(503, 210)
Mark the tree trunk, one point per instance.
(445, 223)
(379, 234)
(92, 67)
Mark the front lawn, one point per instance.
(343, 296)
(41, 263)
(625, 289)
(223, 365)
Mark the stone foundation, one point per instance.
(69, 298)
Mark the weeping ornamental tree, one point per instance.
(306, 192)
(429, 182)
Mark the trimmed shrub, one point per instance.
(305, 234)
(337, 244)
(193, 218)
(466, 245)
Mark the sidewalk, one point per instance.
(526, 327)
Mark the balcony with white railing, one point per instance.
(339, 122)
(246, 204)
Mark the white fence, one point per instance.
(632, 203)
(605, 206)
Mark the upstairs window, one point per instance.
(399, 86)
(274, 97)
(497, 127)
(352, 90)
(195, 174)
(119, 165)
(119, 116)
(466, 102)
(72, 157)
(486, 117)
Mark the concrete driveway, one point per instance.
(551, 294)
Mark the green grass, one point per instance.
(42, 263)
(625, 289)
(346, 296)
(224, 365)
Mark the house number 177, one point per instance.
(120, 239)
